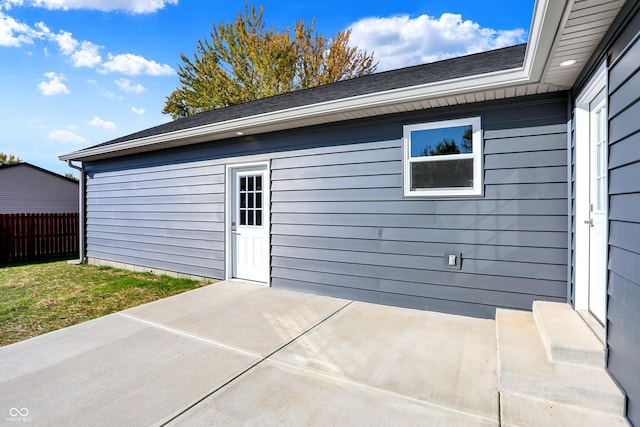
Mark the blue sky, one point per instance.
(75, 73)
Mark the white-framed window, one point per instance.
(443, 158)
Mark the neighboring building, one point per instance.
(338, 190)
(26, 188)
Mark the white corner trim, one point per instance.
(593, 88)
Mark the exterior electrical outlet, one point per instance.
(453, 261)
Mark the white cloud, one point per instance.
(65, 40)
(138, 111)
(126, 86)
(82, 53)
(110, 95)
(131, 6)
(400, 41)
(87, 56)
(8, 4)
(99, 123)
(14, 33)
(54, 86)
(134, 65)
(66, 136)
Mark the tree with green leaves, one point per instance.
(243, 61)
(9, 159)
(467, 140)
(444, 147)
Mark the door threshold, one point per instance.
(594, 324)
(251, 282)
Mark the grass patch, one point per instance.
(39, 298)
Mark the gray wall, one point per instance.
(169, 217)
(340, 223)
(623, 328)
(342, 227)
(27, 189)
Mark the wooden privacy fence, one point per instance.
(34, 237)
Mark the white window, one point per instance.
(443, 158)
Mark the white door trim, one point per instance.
(228, 217)
(582, 182)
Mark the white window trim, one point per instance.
(476, 155)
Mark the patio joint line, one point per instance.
(253, 365)
(191, 336)
(367, 387)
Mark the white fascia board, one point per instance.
(252, 124)
(547, 17)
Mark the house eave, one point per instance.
(319, 113)
(546, 21)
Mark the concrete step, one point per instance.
(526, 372)
(565, 335)
(525, 411)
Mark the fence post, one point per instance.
(5, 236)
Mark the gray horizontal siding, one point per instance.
(166, 210)
(431, 249)
(537, 239)
(169, 217)
(623, 309)
(307, 203)
(624, 208)
(420, 261)
(341, 226)
(625, 151)
(346, 275)
(26, 189)
(451, 221)
(164, 200)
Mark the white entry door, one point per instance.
(250, 224)
(598, 207)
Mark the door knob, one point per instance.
(590, 222)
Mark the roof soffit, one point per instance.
(584, 24)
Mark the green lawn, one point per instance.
(39, 298)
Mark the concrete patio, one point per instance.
(234, 353)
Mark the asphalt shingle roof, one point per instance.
(464, 66)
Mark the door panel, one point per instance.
(249, 224)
